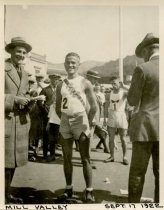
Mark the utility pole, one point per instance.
(120, 45)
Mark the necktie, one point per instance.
(19, 71)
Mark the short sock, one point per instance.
(89, 189)
(69, 187)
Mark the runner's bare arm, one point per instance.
(124, 87)
(91, 100)
(58, 99)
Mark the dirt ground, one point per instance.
(40, 182)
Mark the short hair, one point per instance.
(72, 54)
(97, 84)
(115, 78)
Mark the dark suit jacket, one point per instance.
(144, 92)
(48, 92)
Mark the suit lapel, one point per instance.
(20, 83)
(12, 73)
(23, 84)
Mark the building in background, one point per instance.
(37, 64)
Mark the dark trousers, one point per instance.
(45, 137)
(9, 173)
(53, 136)
(102, 135)
(141, 152)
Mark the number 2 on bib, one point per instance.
(65, 106)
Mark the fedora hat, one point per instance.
(94, 74)
(41, 75)
(18, 41)
(54, 75)
(149, 39)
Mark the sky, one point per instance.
(91, 31)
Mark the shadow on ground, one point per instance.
(33, 196)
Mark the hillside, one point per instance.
(111, 68)
(106, 70)
(84, 67)
(87, 65)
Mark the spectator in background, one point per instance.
(32, 83)
(17, 120)
(93, 77)
(53, 119)
(101, 98)
(48, 92)
(40, 82)
(36, 127)
(47, 81)
(102, 89)
(144, 127)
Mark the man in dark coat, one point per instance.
(144, 127)
(54, 121)
(93, 77)
(48, 92)
(16, 111)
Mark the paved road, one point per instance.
(39, 182)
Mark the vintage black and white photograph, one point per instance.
(81, 107)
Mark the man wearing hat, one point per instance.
(144, 127)
(93, 77)
(16, 112)
(36, 127)
(48, 140)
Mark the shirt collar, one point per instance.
(154, 54)
(15, 65)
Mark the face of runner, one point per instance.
(71, 64)
(115, 84)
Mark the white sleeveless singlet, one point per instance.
(116, 113)
(117, 101)
(70, 103)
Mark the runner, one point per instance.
(117, 118)
(71, 97)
